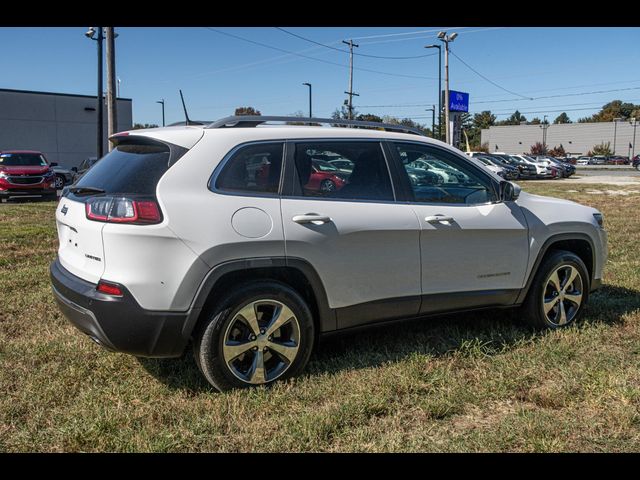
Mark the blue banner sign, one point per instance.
(458, 101)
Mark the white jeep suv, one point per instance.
(222, 236)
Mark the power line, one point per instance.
(423, 37)
(488, 80)
(345, 51)
(569, 88)
(563, 95)
(314, 58)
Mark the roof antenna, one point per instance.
(186, 115)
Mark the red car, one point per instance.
(26, 174)
(618, 160)
(324, 177)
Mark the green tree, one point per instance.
(369, 117)
(138, 126)
(247, 111)
(538, 149)
(603, 148)
(558, 151)
(515, 119)
(535, 121)
(562, 118)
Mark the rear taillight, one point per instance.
(109, 288)
(123, 210)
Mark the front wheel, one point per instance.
(559, 291)
(260, 333)
(59, 182)
(327, 186)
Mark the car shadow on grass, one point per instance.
(483, 332)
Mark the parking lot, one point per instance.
(466, 382)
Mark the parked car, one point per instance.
(152, 258)
(420, 176)
(486, 162)
(636, 162)
(324, 177)
(583, 160)
(344, 165)
(618, 160)
(598, 160)
(448, 175)
(26, 174)
(542, 171)
(565, 170)
(85, 165)
(512, 172)
(64, 176)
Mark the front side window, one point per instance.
(343, 170)
(437, 176)
(253, 169)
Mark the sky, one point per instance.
(539, 71)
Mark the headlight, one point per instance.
(3, 175)
(599, 218)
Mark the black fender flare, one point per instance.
(327, 316)
(558, 237)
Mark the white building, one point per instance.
(60, 125)
(576, 138)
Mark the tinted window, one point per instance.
(437, 176)
(363, 173)
(254, 168)
(22, 160)
(129, 168)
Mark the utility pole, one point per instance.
(162, 103)
(112, 112)
(544, 133)
(446, 39)
(350, 92)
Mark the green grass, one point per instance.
(468, 382)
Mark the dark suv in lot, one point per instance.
(26, 174)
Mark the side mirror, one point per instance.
(509, 191)
(74, 169)
(54, 164)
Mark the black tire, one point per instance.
(59, 182)
(327, 186)
(209, 338)
(533, 306)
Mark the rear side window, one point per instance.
(252, 169)
(129, 168)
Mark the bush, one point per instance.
(538, 149)
(602, 149)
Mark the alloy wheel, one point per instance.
(261, 341)
(562, 295)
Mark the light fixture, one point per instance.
(441, 34)
(453, 36)
(90, 33)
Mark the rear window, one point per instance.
(129, 168)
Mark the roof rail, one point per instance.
(244, 121)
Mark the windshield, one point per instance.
(22, 160)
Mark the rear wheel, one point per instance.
(258, 334)
(559, 291)
(327, 186)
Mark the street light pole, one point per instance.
(100, 103)
(633, 149)
(446, 39)
(162, 103)
(310, 111)
(112, 104)
(615, 128)
(439, 47)
(433, 120)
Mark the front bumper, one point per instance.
(117, 323)
(17, 192)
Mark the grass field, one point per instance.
(469, 382)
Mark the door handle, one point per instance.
(311, 218)
(438, 218)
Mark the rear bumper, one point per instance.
(117, 323)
